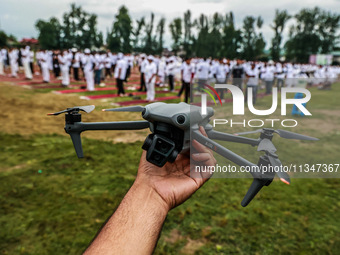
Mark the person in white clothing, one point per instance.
(31, 60)
(13, 61)
(252, 74)
(25, 56)
(150, 78)
(268, 76)
(120, 73)
(76, 64)
(187, 75)
(43, 58)
(202, 73)
(108, 65)
(64, 67)
(88, 63)
(143, 63)
(1, 64)
(222, 71)
(161, 71)
(170, 71)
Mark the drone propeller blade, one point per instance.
(292, 135)
(87, 109)
(255, 187)
(136, 108)
(249, 132)
(266, 145)
(275, 162)
(56, 113)
(75, 136)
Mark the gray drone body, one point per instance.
(182, 116)
(173, 126)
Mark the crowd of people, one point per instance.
(96, 66)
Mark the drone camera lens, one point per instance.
(180, 119)
(163, 146)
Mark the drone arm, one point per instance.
(76, 128)
(257, 183)
(120, 125)
(224, 152)
(212, 134)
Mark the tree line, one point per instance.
(314, 31)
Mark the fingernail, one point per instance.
(196, 154)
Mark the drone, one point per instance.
(173, 126)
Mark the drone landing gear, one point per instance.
(258, 183)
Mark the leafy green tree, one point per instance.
(314, 32)
(231, 38)
(202, 41)
(215, 36)
(176, 33)
(188, 39)
(3, 39)
(279, 22)
(253, 43)
(49, 33)
(149, 42)
(79, 29)
(137, 32)
(160, 32)
(119, 38)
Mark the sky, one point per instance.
(18, 17)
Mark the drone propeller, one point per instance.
(136, 108)
(282, 133)
(87, 109)
(267, 146)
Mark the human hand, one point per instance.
(173, 183)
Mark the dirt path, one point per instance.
(23, 111)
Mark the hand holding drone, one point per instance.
(173, 126)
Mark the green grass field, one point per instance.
(53, 203)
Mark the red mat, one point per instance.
(228, 100)
(54, 86)
(145, 101)
(109, 95)
(67, 91)
(115, 95)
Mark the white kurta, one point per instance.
(44, 57)
(64, 67)
(26, 63)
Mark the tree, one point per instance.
(253, 43)
(119, 38)
(231, 37)
(314, 32)
(137, 32)
(176, 33)
(280, 20)
(202, 41)
(215, 36)
(149, 43)
(49, 33)
(79, 29)
(188, 37)
(160, 31)
(3, 39)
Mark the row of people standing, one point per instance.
(15, 58)
(238, 72)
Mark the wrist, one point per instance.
(150, 196)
